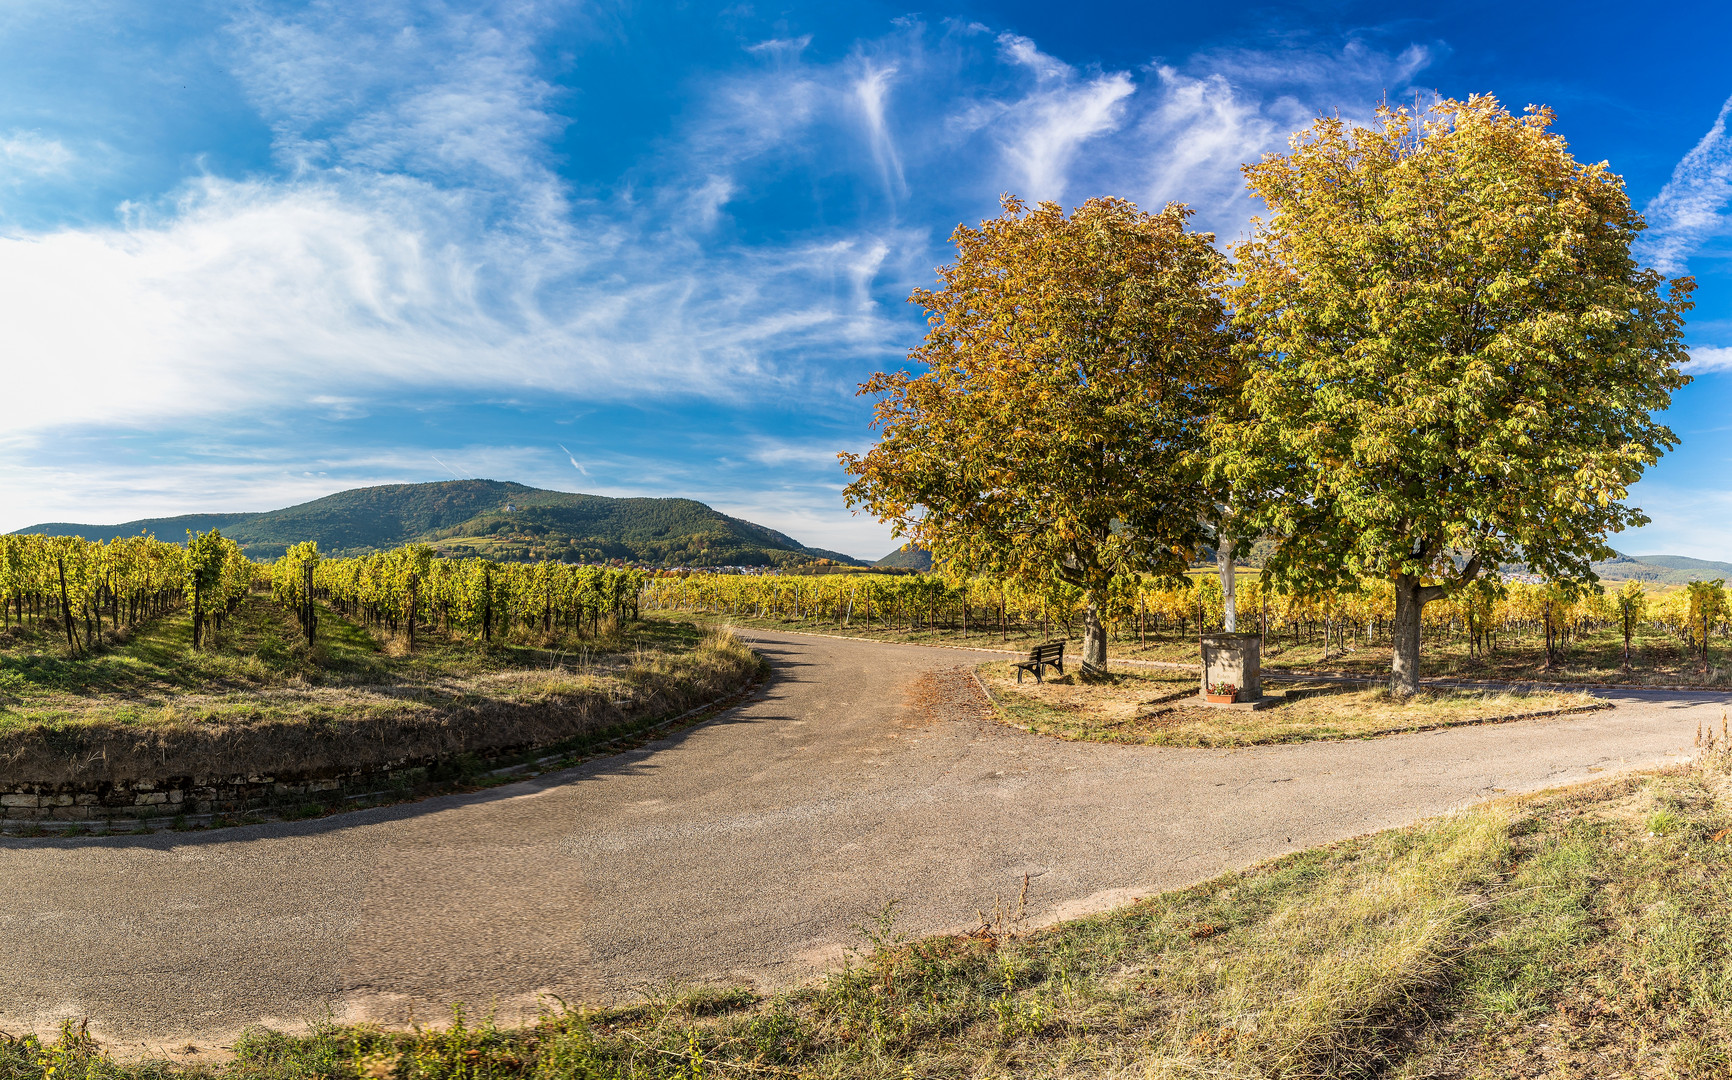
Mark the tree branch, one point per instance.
(1466, 577)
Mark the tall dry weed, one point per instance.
(1335, 969)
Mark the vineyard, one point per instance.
(83, 590)
(86, 589)
(1491, 619)
(133, 670)
(397, 591)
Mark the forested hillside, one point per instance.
(163, 528)
(1665, 569)
(489, 517)
(907, 557)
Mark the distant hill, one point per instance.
(1661, 569)
(907, 557)
(494, 518)
(164, 528)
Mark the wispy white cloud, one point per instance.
(872, 90)
(1704, 358)
(1689, 210)
(30, 154)
(420, 239)
(421, 236)
(1045, 129)
(571, 457)
(782, 48)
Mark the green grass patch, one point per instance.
(256, 668)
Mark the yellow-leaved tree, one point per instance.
(1455, 362)
(1057, 429)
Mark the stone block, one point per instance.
(1235, 659)
(19, 800)
(150, 798)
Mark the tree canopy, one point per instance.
(1454, 361)
(1071, 365)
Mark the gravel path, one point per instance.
(744, 849)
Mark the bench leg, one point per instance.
(1019, 676)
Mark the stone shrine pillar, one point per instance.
(1236, 659)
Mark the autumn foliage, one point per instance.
(1071, 365)
(1434, 356)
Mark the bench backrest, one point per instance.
(1052, 650)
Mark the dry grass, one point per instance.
(1160, 708)
(1658, 658)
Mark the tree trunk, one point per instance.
(1225, 562)
(1550, 651)
(1094, 639)
(1404, 637)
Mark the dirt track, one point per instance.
(745, 849)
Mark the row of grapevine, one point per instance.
(410, 588)
(1139, 607)
(87, 587)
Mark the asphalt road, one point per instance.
(746, 849)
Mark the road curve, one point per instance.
(744, 849)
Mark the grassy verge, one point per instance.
(1575, 933)
(148, 706)
(1657, 658)
(1158, 708)
(260, 649)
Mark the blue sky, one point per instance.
(253, 253)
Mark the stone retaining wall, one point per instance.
(182, 795)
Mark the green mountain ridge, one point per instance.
(1661, 569)
(495, 518)
(164, 528)
(907, 557)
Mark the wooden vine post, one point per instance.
(310, 614)
(414, 595)
(66, 608)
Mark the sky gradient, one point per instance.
(254, 253)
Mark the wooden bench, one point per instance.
(1040, 658)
